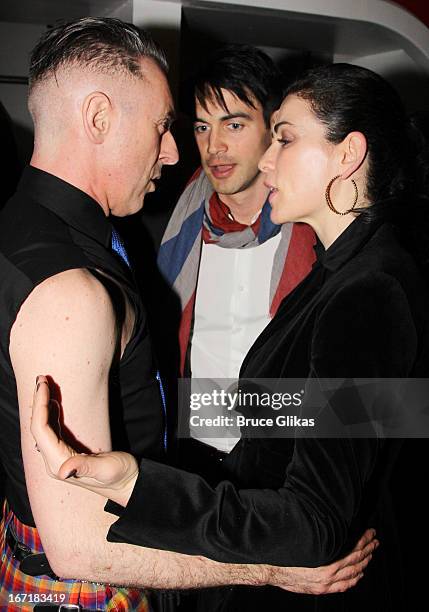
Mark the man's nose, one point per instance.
(168, 154)
(216, 144)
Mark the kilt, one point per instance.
(20, 592)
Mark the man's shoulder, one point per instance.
(36, 248)
(35, 245)
(35, 242)
(71, 303)
(71, 292)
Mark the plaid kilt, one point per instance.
(20, 592)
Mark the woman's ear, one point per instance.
(353, 150)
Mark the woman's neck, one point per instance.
(329, 228)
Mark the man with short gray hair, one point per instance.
(69, 307)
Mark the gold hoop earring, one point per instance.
(329, 201)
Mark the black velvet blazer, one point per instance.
(363, 311)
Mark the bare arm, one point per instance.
(114, 474)
(67, 329)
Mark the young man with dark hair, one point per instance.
(229, 264)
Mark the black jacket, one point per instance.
(363, 313)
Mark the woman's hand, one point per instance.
(112, 475)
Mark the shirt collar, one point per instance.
(348, 243)
(74, 206)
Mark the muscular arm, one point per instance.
(66, 328)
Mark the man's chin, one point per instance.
(132, 209)
(224, 187)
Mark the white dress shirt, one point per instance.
(231, 309)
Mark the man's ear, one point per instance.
(97, 116)
(352, 154)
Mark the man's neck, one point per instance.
(71, 173)
(245, 205)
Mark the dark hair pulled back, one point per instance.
(348, 98)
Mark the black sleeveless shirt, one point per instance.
(48, 227)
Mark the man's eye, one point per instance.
(235, 126)
(199, 129)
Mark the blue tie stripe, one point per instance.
(118, 246)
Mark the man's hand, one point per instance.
(334, 578)
(111, 475)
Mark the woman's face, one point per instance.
(299, 163)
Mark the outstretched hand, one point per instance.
(112, 475)
(334, 578)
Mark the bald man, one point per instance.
(69, 307)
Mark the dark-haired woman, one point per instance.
(341, 160)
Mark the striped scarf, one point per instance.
(200, 217)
